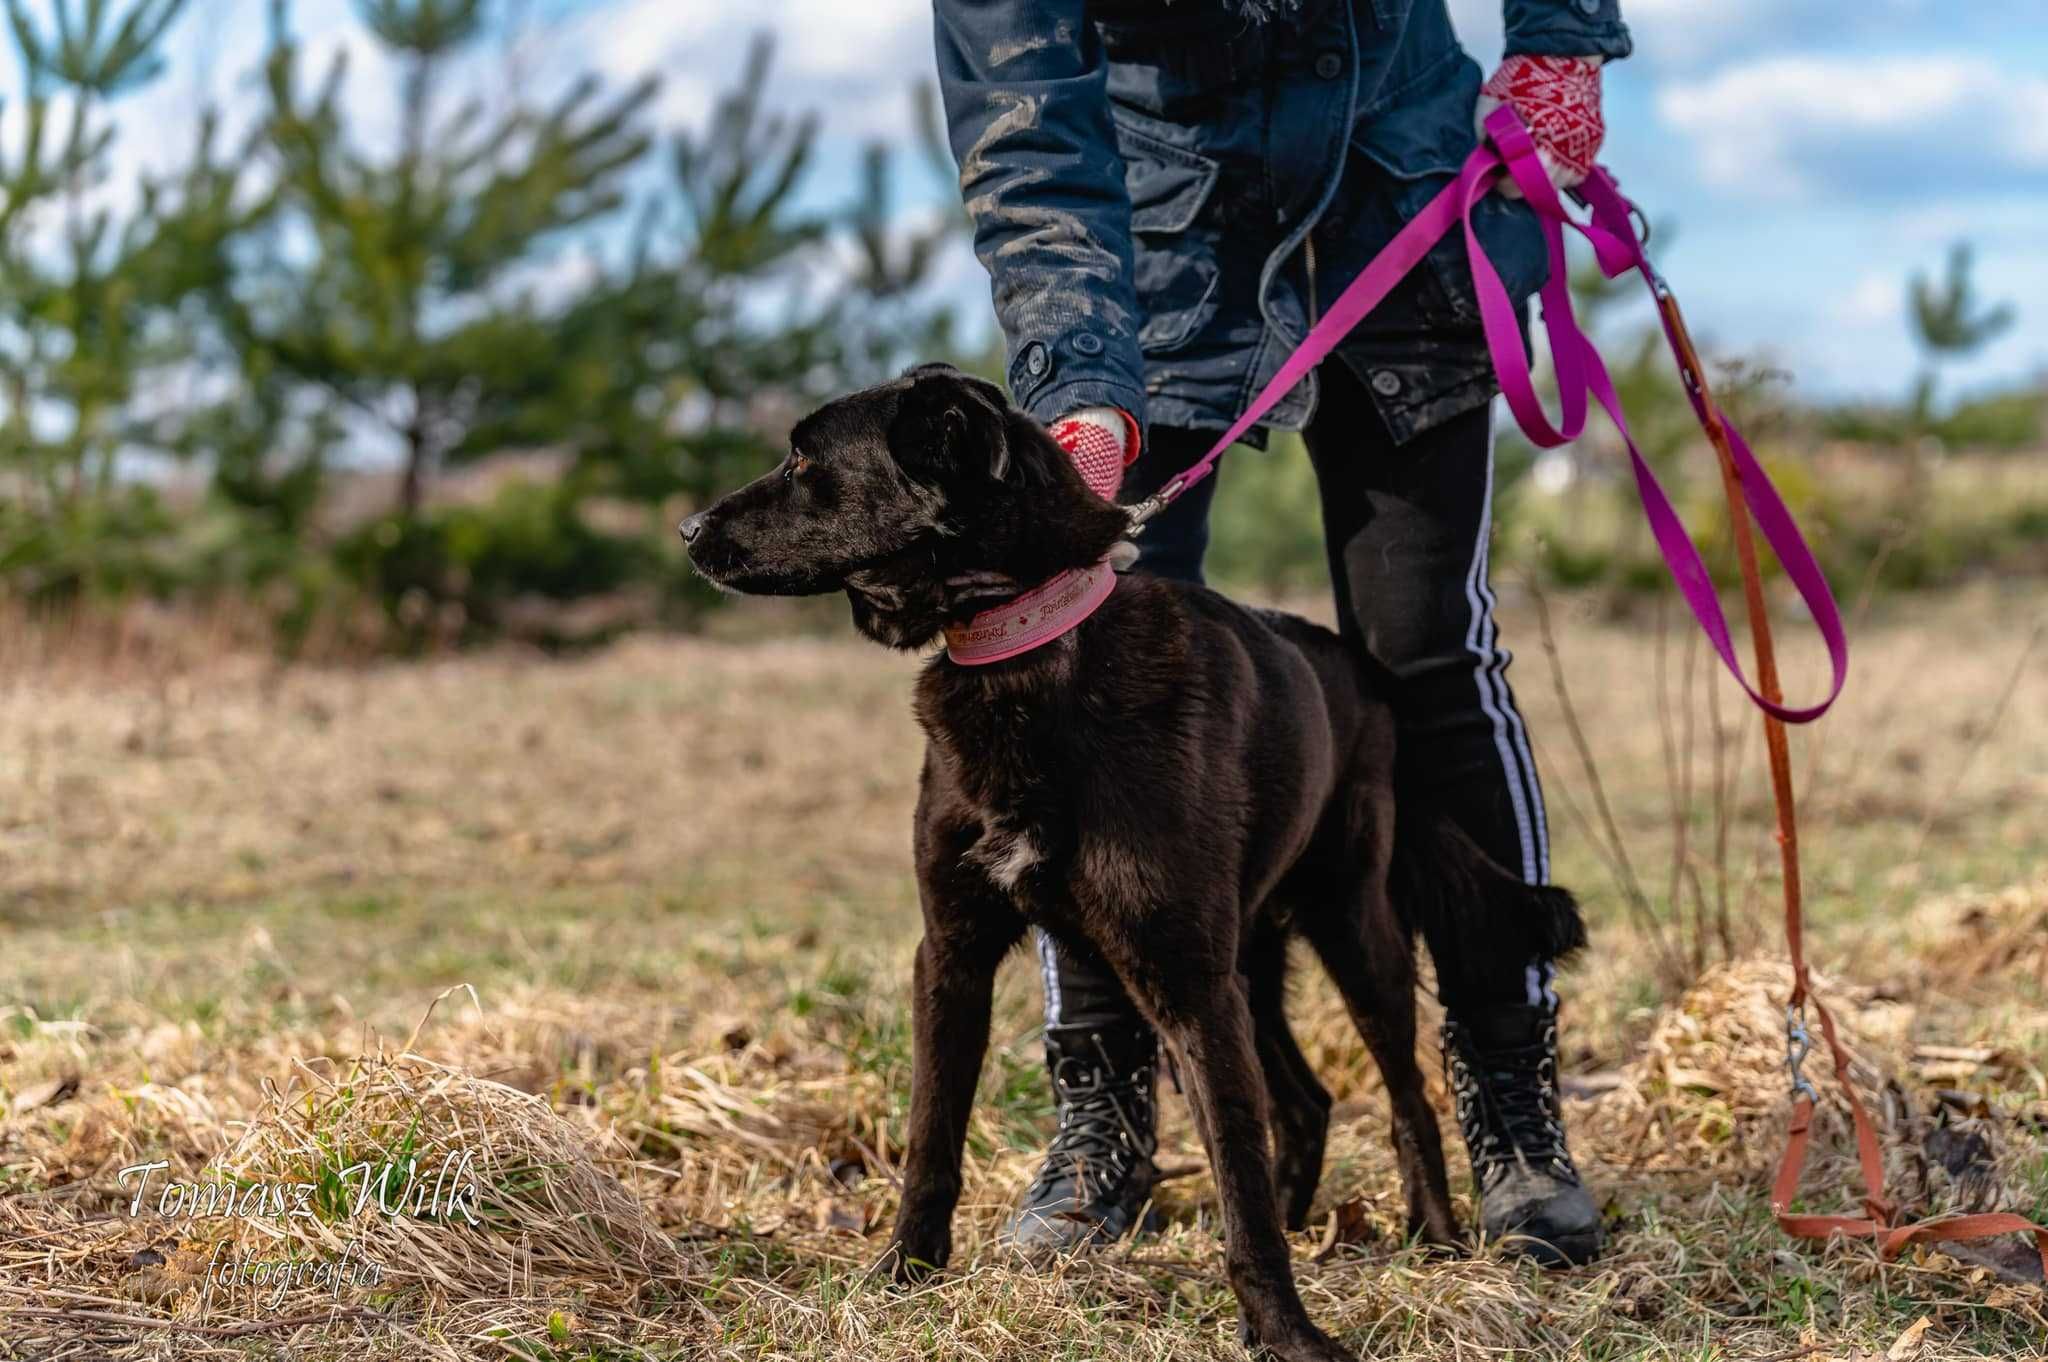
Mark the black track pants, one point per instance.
(1407, 529)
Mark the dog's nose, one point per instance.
(691, 526)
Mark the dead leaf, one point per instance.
(835, 1216)
(1906, 1346)
(1973, 1104)
(1586, 1087)
(1953, 1063)
(45, 1094)
(154, 1277)
(1350, 1222)
(152, 1286)
(1945, 1070)
(1975, 1054)
(1694, 1080)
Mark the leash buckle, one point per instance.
(1798, 1045)
(1638, 219)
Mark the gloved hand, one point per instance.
(1102, 442)
(1559, 99)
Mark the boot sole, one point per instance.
(1043, 1250)
(1557, 1252)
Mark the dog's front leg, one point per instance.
(953, 990)
(1208, 1023)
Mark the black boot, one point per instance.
(1098, 1171)
(1502, 1068)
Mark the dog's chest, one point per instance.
(1026, 820)
(1010, 759)
(1026, 816)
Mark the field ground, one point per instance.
(675, 875)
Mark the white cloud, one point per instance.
(1882, 126)
(853, 60)
(1874, 300)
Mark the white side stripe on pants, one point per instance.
(1525, 762)
(1493, 697)
(1049, 967)
(1510, 738)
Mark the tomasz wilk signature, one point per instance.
(393, 1188)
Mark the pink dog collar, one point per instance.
(1033, 619)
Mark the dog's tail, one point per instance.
(1476, 917)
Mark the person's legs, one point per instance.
(1407, 529)
(1098, 1173)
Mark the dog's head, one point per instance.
(899, 493)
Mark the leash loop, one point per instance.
(1612, 230)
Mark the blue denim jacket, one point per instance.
(1166, 192)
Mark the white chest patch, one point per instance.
(1006, 854)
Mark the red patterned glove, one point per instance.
(1102, 442)
(1559, 98)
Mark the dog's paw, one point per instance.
(1309, 1344)
(908, 1264)
(1438, 1236)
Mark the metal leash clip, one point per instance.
(1143, 511)
(1798, 1044)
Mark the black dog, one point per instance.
(1181, 783)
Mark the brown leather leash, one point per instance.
(1878, 1221)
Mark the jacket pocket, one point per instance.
(1176, 272)
(1410, 168)
(1168, 184)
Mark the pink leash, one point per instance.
(1580, 373)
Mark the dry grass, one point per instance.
(676, 875)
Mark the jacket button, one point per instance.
(1589, 8)
(1035, 361)
(1330, 66)
(1386, 383)
(1087, 343)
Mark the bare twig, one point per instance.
(1624, 871)
(1667, 748)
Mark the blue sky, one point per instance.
(1813, 153)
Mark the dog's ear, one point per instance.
(949, 424)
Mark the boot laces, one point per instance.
(1105, 1127)
(1509, 1107)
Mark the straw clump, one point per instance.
(395, 1200)
(1710, 1093)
